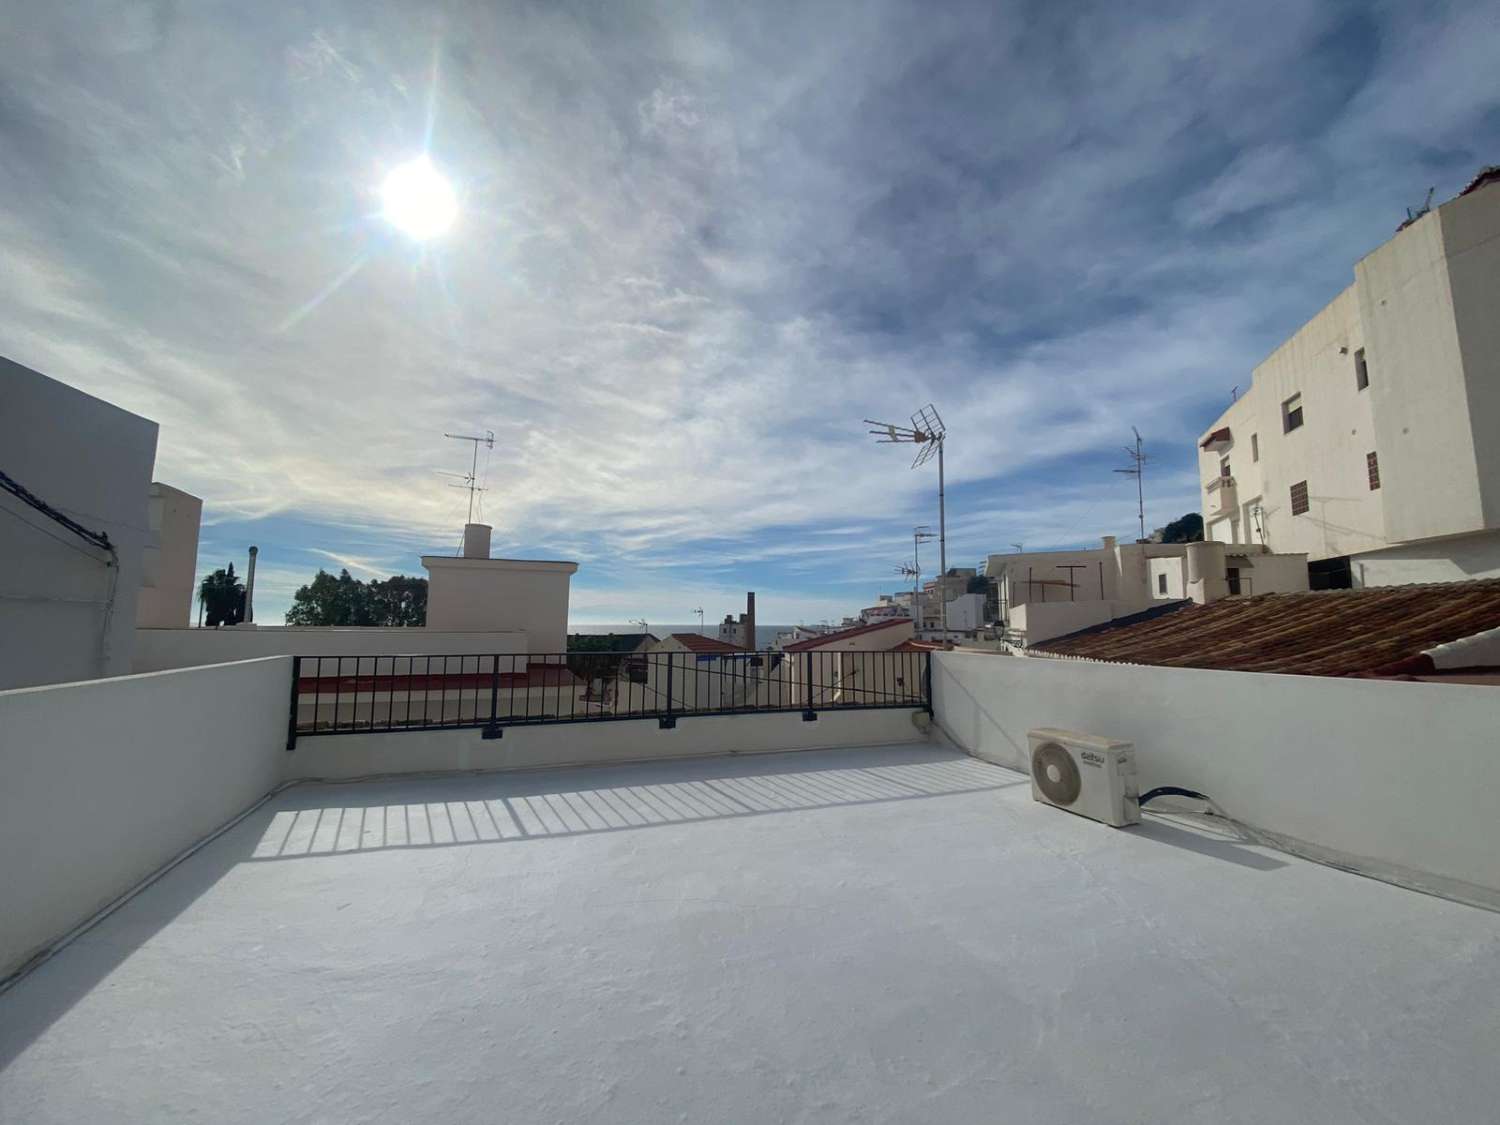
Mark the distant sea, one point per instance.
(764, 634)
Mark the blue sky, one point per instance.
(697, 244)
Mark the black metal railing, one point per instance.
(361, 694)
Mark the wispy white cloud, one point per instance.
(697, 250)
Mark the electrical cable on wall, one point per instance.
(98, 539)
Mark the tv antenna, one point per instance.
(472, 479)
(1020, 548)
(699, 612)
(641, 621)
(927, 433)
(1412, 216)
(1137, 469)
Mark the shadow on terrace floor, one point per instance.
(463, 809)
(338, 817)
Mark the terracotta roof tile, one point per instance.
(844, 634)
(697, 642)
(1371, 632)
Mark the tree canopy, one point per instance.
(223, 598)
(1188, 529)
(398, 600)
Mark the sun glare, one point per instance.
(419, 200)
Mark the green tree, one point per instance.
(1189, 529)
(345, 600)
(222, 597)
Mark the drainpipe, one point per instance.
(250, 588)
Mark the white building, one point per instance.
(1045, 594)
(171, 560)
(92, 543)
(1371, 439)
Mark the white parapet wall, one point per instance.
(158, 649)
(589, 743)
(1391, 779)
(105, 781)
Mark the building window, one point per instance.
(1372, 467)
(1224, 468)
(1161, 583)
(1255, 447)
(1232, 573)
(1291, 414)
(1299, 498)
(1361, 371)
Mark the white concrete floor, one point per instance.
(872, 935)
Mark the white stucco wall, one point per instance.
(1423, 430)
(1437, 560)
(1174, 571)
(105, 781)
(1422, 307)
(1391, 779)
(528, 596)
(93, 462)
(1471, 240)
(1328, 450)
(170, 564)
(355, 755)
(157, 649)
(1042, 621)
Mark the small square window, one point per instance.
(1224, 468)
(1291, 414)
(1299, 498)
(1361, 371)
(1372, 467)
(1255, 447)
(1161, 583)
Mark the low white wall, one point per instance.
(1395, 780)
(105, 781)
(1440, 560)
(566, 744)
(1042, 621)
(158, 649)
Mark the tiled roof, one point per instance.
(1221, 434)
(697, 642)
(1486, 175)
(844, 634)
(1373, 632)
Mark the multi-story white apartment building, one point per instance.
(1371, 439)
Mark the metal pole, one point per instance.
(916, 579)
(291, 720)
(942, 546)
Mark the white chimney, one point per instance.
(1207, 573)
(476, 540)
(1109, 542)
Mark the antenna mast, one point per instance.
(488, 441)
(926, 432)
(1138, 460)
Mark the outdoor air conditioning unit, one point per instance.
(1085, 774)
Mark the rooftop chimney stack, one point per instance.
(1207, 572)
(250, 588)
(1109, 542)
(749, 620)
(476, 540)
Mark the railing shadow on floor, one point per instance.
(425, 812)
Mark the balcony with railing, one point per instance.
(1223, 497)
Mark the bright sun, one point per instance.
(419, 200)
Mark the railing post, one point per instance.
(809, 715)
(291, 718)
(927, 683)
(493, 729)
(669, 720)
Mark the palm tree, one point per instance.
(223, 598)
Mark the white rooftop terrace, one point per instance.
(891, 934)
